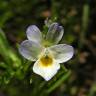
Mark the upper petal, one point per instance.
(30, 50)
(46, 72)
(55, 33)
(62, 52)
(34, 34)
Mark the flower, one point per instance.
(44, 50)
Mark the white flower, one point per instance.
(44, 51)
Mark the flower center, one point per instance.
(46, 43)
(46, 61)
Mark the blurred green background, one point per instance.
(79, 20)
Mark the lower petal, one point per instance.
(46, 72)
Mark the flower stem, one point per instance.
(58, 82)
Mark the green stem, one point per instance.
(59, 82)
(85, 20)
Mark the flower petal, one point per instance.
(46, 72)
(62, 52)
(34, 34)
(55, 33)
(30, 50)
